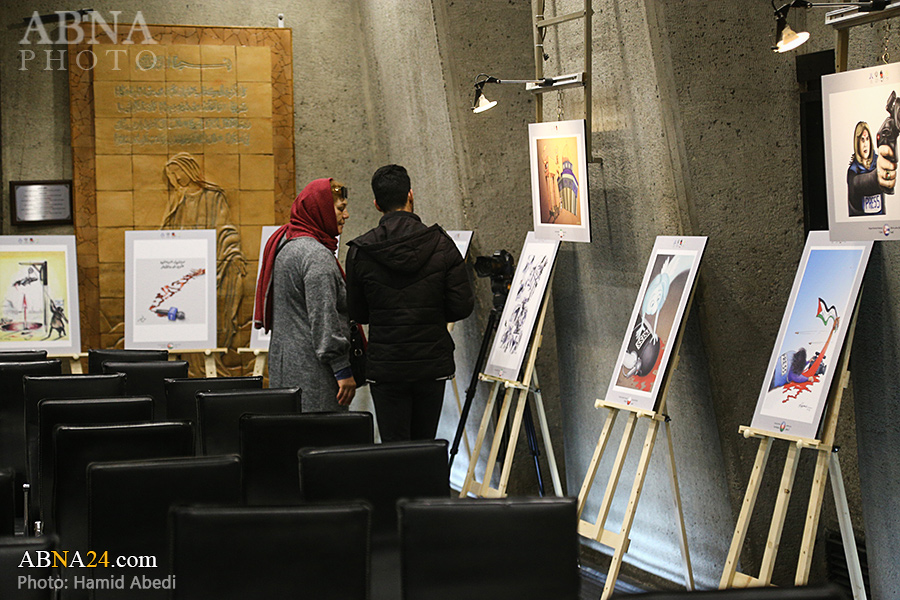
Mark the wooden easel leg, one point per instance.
(595, 463)
(618, 464)
(545, 432)
(259, 363)
(479, 440)
(631, 509)
(779, 514)
(75, 365)
(679, 512)
(743, 522)
(843, 512)
(513, 438)
(816, 495)
(209, 362)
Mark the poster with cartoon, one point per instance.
(655, 321)
(462, 239)
(170, 289)
(39, 282)
(861, 111)
(811, 336)
(522, 307)
(559, 185)
(259, 338)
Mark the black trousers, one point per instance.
(408, 410)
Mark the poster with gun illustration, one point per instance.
(38, 276)
(170, 289)
(861, 111)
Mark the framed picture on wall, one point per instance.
(655, 321)
(39, 280)
(559, 181)
(170, 289)
(861, 111)
(811, 336)
(259, 338)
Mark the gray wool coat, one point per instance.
(310, 327)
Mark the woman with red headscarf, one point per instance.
(301, 298)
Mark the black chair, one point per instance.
(7, 502)
(76, 447)
(80, 411)
(13, 551)
(316, 552)
(12, 417)
(379, 474)
(97, 357)
(181, 394)
(23, 355)
(148, 378)
(269, 445)
(219, 413)
(756, 593)
(522, 548)
(128, 505)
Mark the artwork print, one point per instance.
(559, 187)
(40, 294)
(812, 334)
(655, 321)
(462, 239)
(861, 111)
(170, 299)
(522, 307)
(259, 338)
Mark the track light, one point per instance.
(481, 103)
(787, 39)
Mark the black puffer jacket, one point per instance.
(407, 281)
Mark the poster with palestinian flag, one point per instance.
(812, 334)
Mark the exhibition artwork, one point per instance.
(655, 322)
(861, 112)
(462, 239)
(811, 336)
(259, 338)
(38, 277)
(559, 187)
(520, 313)
(170, 289)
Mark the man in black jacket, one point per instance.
(407, 281)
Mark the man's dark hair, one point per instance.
(390, 184)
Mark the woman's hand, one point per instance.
(346, 391)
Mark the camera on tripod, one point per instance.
(887, 134)
(500, 268)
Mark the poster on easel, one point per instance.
(811, 336)
(170, 289)
(522, 306)
(259, 338)
(559, 185)
(655, 320)
(861, 111)
(39, 279)
(462, 239)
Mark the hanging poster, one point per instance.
(811, 336)
(655, 321)
(259, 338)
(861, 111)
(522, 307)
(462, 239)
(170, 289)
(559, 185)
(39, 281)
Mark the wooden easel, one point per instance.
(209, 358)
(528, 383)
(260, 357)
(619, 541)
(826, 459)
(74, 361)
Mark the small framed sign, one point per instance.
(40, 202)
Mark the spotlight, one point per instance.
(787, 39)
(481, 103)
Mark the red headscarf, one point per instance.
(312, 215)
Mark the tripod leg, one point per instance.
(531, 436)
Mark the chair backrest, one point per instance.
(754, 593)
(7, 501)
(523, 548)
(76, 447)
(269, 446)
(316, 552)
(181, 394)
(128, 504)
(96, 357)
(23, 355)
(148, 378)
(380, 474)
(13, 551)
(78, 411)
(12, 416)
(219, 414)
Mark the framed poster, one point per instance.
(259, 338)
(655, 321)
(559, 183)
(39, 279)
(170, 289)
(811, 336)
(861, 111)
(462, 239)
(522, 307)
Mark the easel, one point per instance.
(619, 541)
(209, 358)
(260, 357)
(826, 459)
(528, 383)
(74, 361)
